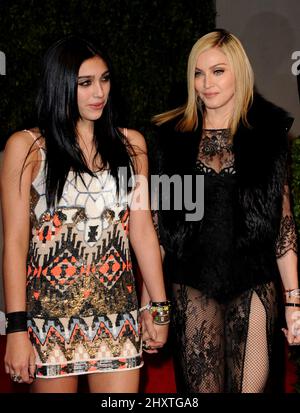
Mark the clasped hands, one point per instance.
(154, 336)
(292, 332)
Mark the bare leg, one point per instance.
(55, 385)
(256, 365)
(116, 382)
(250, 320)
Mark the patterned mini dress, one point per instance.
(81, 296)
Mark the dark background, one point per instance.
(148, 42)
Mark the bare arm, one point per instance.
(145, 243)
(143, 237)
(286, 252)
(15, 210)
(15, 198)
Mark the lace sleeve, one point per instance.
(287, 238)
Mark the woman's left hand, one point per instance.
(154, 336)
(292, 333)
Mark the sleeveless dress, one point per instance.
(224, 334)
(81, 297)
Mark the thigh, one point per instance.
(115, 382)
(199, 330)
(55, 385)
(256, 361)
(249, 324)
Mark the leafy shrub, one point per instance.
(148, 42)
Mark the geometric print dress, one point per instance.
(82, 305)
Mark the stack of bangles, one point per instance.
(293, 295)
(160, 311)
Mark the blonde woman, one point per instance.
(225, 269)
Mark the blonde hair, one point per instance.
(244, 82)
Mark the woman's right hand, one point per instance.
(154, 336)
(19, 357)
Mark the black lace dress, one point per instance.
(220, 333)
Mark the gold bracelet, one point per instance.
(160, 312)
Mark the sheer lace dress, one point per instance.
(226, 346)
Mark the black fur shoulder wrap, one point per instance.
(261, 164)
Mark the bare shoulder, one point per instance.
(19, 140)
(23, 143)
(136, 139)
(139, 148)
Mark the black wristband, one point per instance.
(160, 303)
(292, 304)
(16, 322)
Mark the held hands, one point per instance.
(292, 333)
(292, 316)
(154, 336)
(155, 325)
(20, 358)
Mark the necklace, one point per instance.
(102, 177)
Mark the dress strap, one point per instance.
(35, 139)
(125, 132)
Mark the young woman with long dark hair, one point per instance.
(68, 193)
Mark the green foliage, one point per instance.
(148, 42)
(295, 188)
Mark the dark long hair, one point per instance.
(58, 114)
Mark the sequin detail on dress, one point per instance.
(81, 297)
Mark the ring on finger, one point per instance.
(16, 378)
(146, 346)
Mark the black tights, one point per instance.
(224, 347)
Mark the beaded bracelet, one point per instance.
(145, 307)
(16, 322)
(293, 293)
